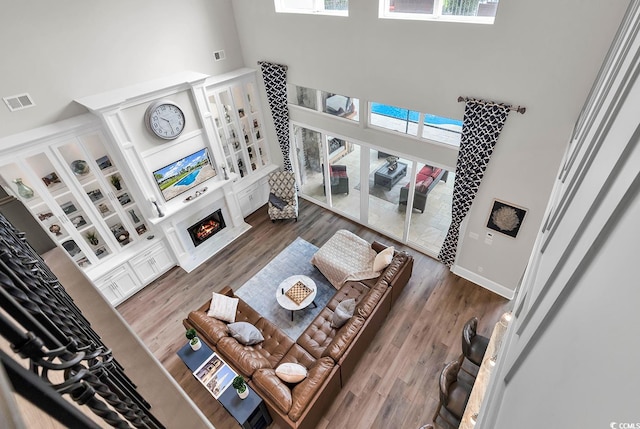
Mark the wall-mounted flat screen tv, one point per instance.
(184, 174)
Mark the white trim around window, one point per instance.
(385, 6)
(310, 7)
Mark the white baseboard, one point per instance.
(484, 282)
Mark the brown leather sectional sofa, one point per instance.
(330, 355)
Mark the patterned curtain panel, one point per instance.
(275, 82)
(482, 124)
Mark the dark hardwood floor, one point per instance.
(395, 384)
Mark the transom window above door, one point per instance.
(417, 124)
(471, 11)
(320, 7)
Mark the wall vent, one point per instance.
(219, 55)
(18, 102)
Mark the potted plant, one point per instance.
(115, 181)
(93, 239)
(240, 386)
(194, 341)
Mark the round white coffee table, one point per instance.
(286, 302)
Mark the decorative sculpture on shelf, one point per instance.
(153, 201)
(392, 163)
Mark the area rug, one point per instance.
(260, 291)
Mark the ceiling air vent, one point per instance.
(18, 102)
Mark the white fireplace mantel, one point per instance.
(180, 214)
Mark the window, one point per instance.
(322, 7)
(334, 104)
(476, 11)
(339, 105)
(303, 97)
(394, 118)
(437, 128)
(445, 130)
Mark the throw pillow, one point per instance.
(343, 312)
(426, 171)
(223, 307)
(277, 202)
(245, 333)
(383, 259)
(291, 372)
(423, 186)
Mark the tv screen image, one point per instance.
(184, 174)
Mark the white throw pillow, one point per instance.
(383, 259)
(291, 372)
(223, 307)
(343, 312)
(245, 333)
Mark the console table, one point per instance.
(385, 178)
(250, 413)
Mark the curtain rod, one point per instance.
(518, 109)
(285, 67)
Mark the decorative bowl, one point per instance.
(80, 167)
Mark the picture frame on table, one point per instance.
(141, 229)
(95, 195)
(51, 179)
(103, 162)
(124, 199)
(215, 375)
(68, 207)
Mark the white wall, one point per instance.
(570, 357)
(68, 49)
(542, 55)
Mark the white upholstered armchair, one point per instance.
(283, 196)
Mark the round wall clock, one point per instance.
(164, 119)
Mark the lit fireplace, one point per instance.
(206, 228)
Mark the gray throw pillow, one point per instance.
(245, 333)
(277, 202)
(343, 312)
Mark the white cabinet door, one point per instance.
(246, 199)
(254, 196)
(152, 263)
(118, 285)
(110, 292)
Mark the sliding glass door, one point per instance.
(309, 156)
(387, 174)
(344, 174)
(406, 199)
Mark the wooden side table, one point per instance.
(194, 358)
(250, 413)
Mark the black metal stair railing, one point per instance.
(47, 328)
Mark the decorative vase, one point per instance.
(244, 393)
(195, 345)
(94, 241)
(134, 217)
(23, 190)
